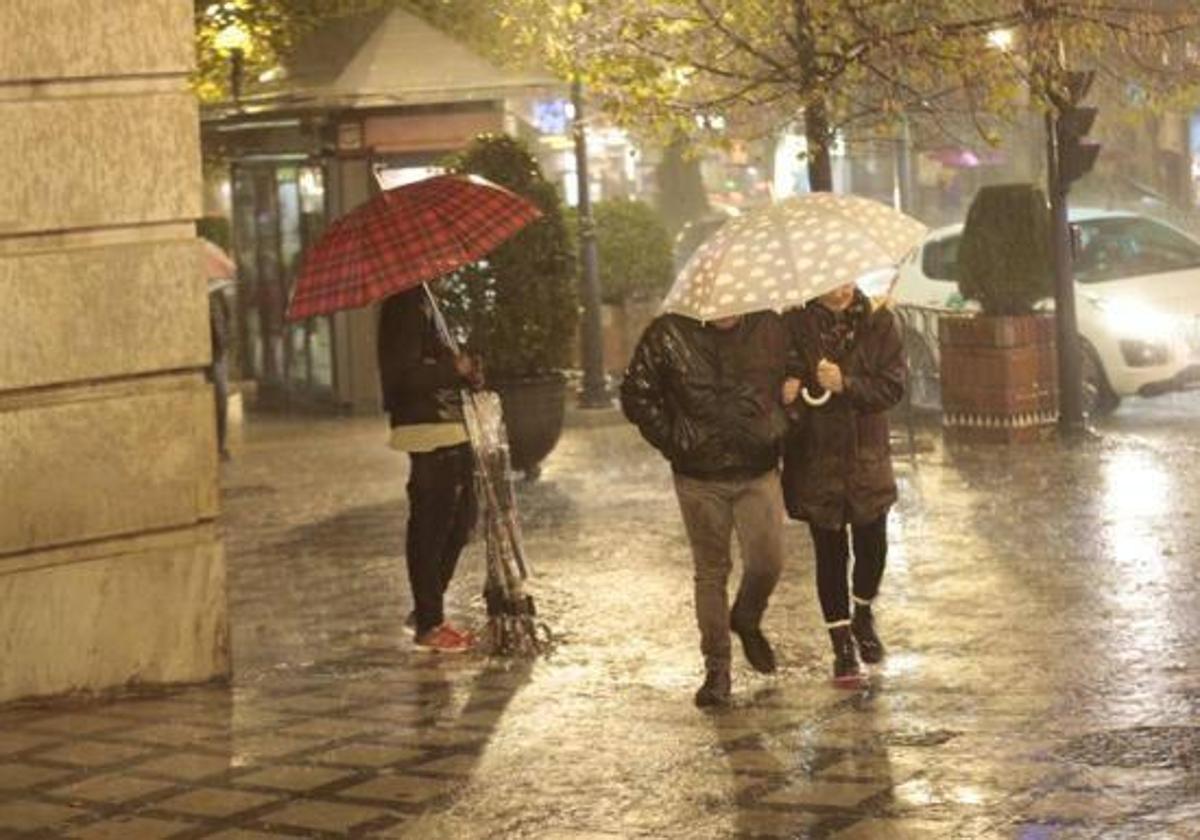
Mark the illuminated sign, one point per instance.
(552, 116)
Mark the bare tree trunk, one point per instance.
(817, 131)
(820, 138)
(681, 195)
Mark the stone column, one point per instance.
(110, 571)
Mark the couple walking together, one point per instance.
(723, 401)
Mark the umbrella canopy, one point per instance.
(790, 252)
(218, 265)
(404, 237)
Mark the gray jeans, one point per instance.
(712, 512)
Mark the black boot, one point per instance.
(754, 644)
(845, 661)
(863, 628)
(715, 691)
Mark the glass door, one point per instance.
(279, 210)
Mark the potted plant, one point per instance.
(999, 370)
(518, 307)
(634, 254)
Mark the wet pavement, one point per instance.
(1041, 606)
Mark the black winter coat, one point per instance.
(837, 466)
(709, 399)
(416, 369)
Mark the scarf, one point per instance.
(837, 331)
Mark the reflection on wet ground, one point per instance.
(1042, 608)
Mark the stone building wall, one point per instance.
(110, 571)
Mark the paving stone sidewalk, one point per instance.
(1042, 608)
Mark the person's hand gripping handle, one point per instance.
(469, 369)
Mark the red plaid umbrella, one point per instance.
(403, 237)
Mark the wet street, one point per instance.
(1041, 607)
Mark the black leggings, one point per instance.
(833, 558)
(441, 512)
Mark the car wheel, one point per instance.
(924, 379)
(1099, 399)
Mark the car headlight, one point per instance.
(1129, 319)
(1141, 354)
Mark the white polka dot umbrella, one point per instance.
(790, 252)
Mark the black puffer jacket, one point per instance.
(837, 465)
(709, 399)
(416, 369)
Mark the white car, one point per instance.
(1137, 300)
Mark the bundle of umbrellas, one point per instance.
(396, 242)
(513, 627)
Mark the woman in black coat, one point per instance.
(837, 475)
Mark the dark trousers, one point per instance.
(833, 558)
(441, 512)
(218, 375)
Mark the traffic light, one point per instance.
(1076, 154)
(1071, 157)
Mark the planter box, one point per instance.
(999, 378)
(534, 410)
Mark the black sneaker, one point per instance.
(715, 691)
(846, 673)
(863, 628)
(756, 647)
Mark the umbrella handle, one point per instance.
(815, 402)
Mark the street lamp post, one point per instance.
(237, 61)
(233, 41)
(595, 392)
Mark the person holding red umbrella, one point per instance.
(422, 381)
(391, 250)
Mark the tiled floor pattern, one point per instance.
(392, 752)
(303, 763)
(335, 727)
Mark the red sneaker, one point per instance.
(443, 639)
(466, 635)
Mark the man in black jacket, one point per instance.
(707, 396)
(422, 378)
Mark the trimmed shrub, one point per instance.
(633, 249)
(519, 305)
(1004, 259)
